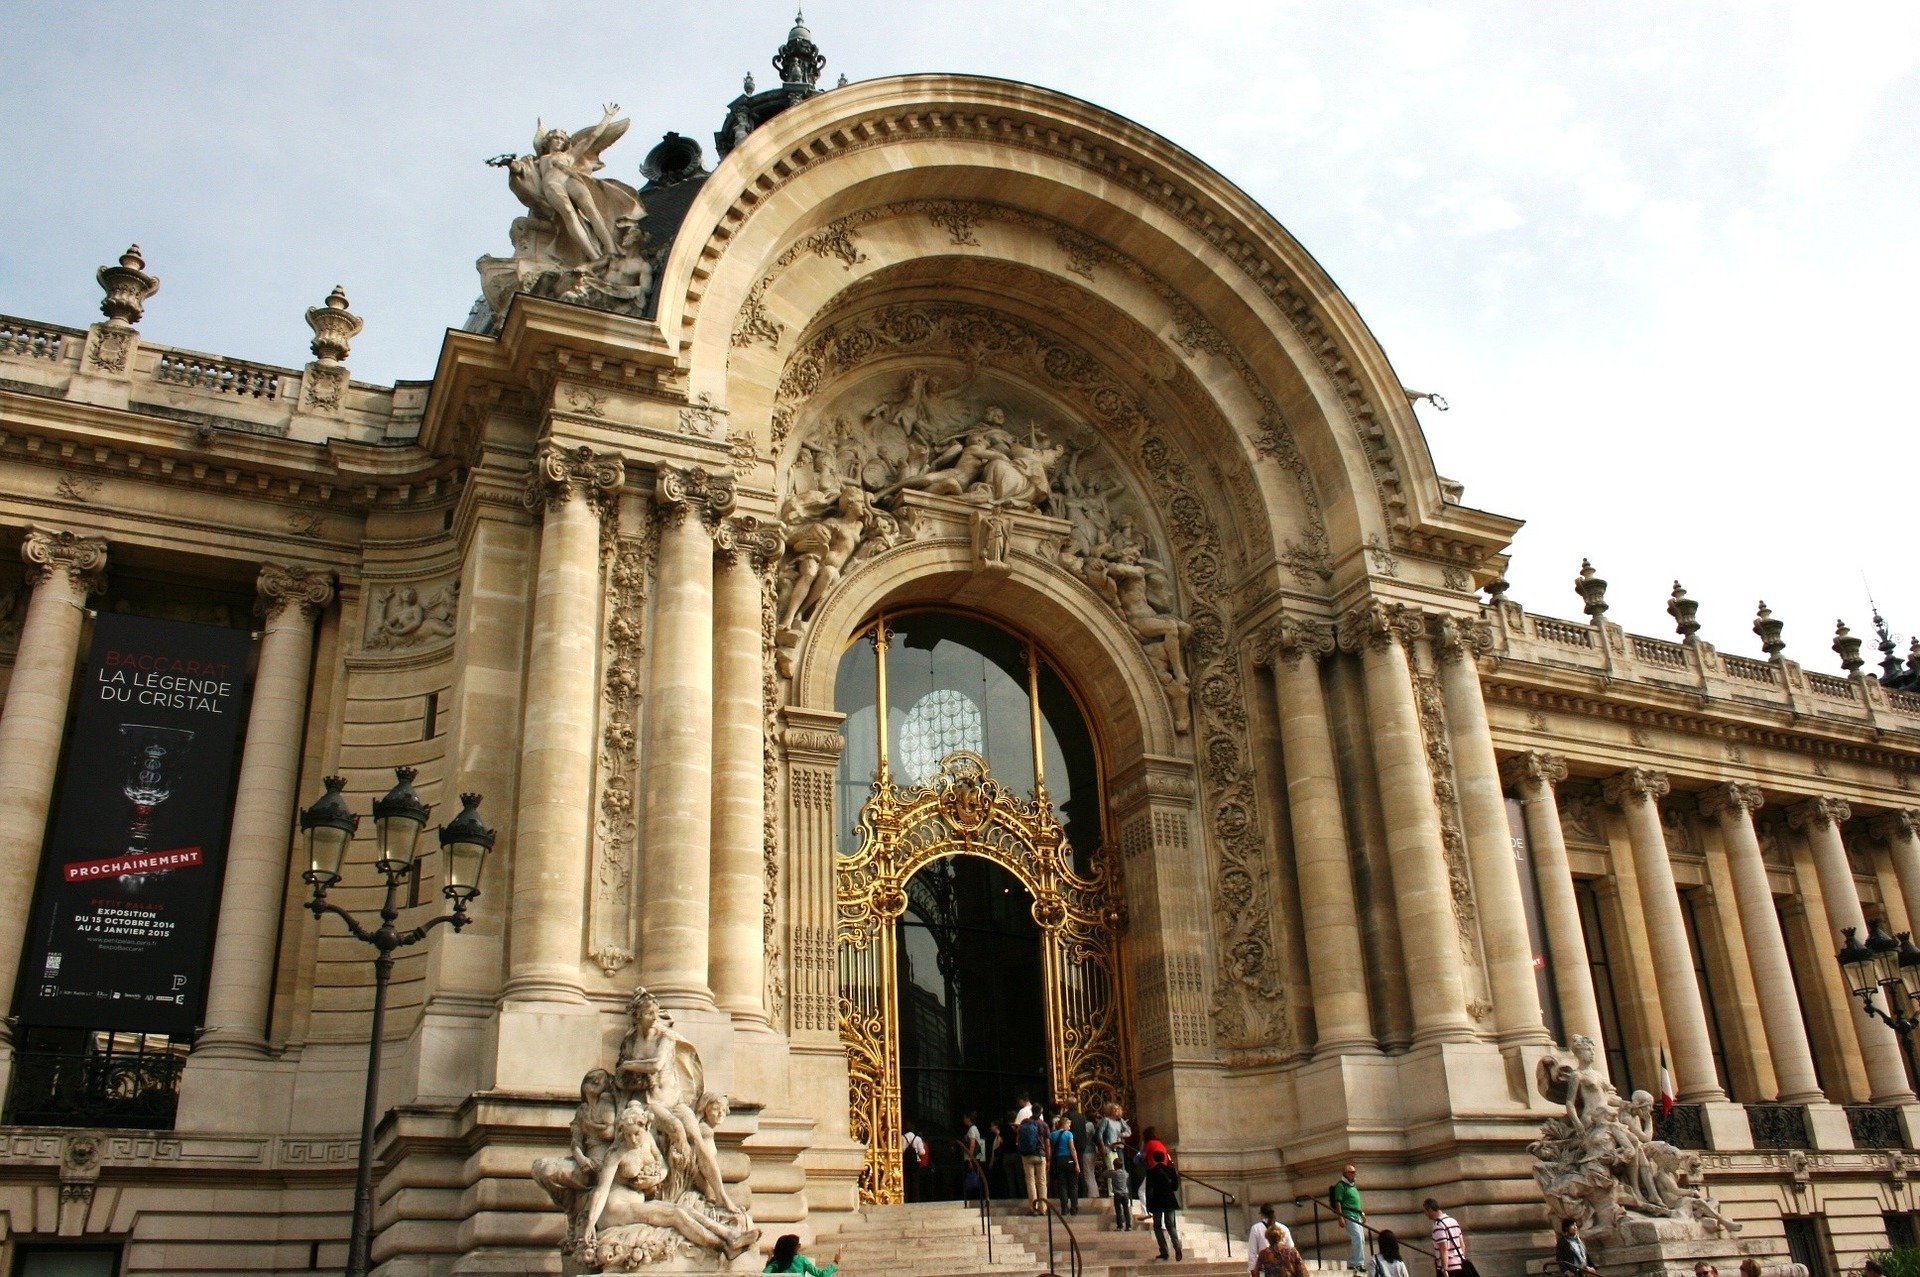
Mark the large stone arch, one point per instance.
(1243, 283)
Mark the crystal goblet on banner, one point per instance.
(153, 758)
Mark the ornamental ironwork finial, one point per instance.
(799, 60)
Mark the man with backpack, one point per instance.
(1031, 1140)
(914, 1159)
(1344, 1196)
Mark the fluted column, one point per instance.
(571, 489)
(1733, 805)
(675, 868)
(62, 569)
(1820, 819)
(240, 982)
(1636, 792)
(1900, 830)
(1532, 776)
(1504, 936)
(737, 966)
(1335, 964)
(1422, 884)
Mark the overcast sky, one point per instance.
(1661, 258)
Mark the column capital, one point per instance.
(1292, 639)
(284, 585)
(559, 472)
(746, 536)
(1821, 811)
(1459, 637)
(1535, 767)
(1636, 784)
(47, 550)
(1893, 826)
(1732, 797)
(1379, 625)
(684, 492)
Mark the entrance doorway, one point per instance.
(979, 901)
(973, 1018)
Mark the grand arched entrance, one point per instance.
(970, 786)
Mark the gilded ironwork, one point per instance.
(963, 811)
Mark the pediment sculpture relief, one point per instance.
(845, 503)
(1599, 1162)
(641, 1184)
(407, 616)
(580, 240)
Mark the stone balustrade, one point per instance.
(212, 391)
(1696, 668)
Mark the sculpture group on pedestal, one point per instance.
(1599, 1162)
(845, 485)
(641, 1184)
(581, 239)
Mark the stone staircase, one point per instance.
(943, 1239)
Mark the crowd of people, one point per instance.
(1034, 1153)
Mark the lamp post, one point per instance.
(398, 819)
(1889, 963)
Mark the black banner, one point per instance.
(130, 880)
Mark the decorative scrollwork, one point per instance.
(963, 810)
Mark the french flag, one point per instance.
(1666, 1084)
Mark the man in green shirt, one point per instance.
(1353, 1213)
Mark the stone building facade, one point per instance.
(1359, 838)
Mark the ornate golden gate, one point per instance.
(963, 811)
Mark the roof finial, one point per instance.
(799, 61)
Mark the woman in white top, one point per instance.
(1386, 1261)
(1257, 1238)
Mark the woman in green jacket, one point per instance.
(788, 1259)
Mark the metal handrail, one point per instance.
(1073, 1245)
(1372, 1232)
(1226, 1199)
(980, 1173)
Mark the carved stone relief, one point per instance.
(1249, 1014)
(408, 616)
(626, 548)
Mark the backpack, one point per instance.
(1032, 1142)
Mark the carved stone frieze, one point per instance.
(1307, 555)
(410, 616)
(625, 555)
(46, 551)
(284, 585)
(560, 473)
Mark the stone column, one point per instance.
(1733, 804)
(1458, 642)
(1423, 885)
(1342, 1019)
(737, 966)
(1900, 830)
(553, 824)
(1532, 776)
(63, 569)
(1636, 792)
(1820, 819)
(675, 864)
(240, 984)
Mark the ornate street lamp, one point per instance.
(1885, 962)
(398, 819)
